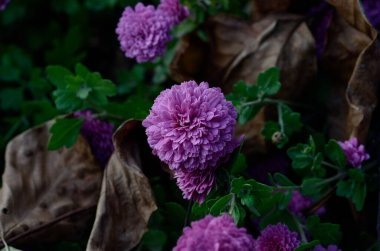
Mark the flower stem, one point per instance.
(188, 212)
(280, 120)
(300, 229)
(330, 165)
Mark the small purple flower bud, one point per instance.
(355, 153)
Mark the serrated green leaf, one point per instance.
(359, 195)
(64, 132)
(356, 175)
(220, 205)
(270, 128)
(239, 164)
(312, 186)
(326, 233)
(291, 120)
(282, 180)
(307, 246)
(345, 188)
(57, 74)
(268, 82)
(335, 153)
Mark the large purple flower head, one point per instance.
(355, 153)
(143, 32)
(277, 238)
(3, 4)
(190, 127)
(329, 248)
(196, 184)
(215, 234)
(173, 11)
(99, 136)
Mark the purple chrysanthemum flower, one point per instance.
(190, 127)
(277, 238)
(173, 11)
(372, 11)
(329, 248)
(298, 203)
(99, 136)
(215, 234)
(355, 153)
(3, 4)
(195, 185)
(143, 32)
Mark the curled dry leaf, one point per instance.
(352, 58)
(47, 195)
(238, 50)
(126, 201)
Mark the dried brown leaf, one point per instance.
(352, 58)
(126, 201)
(47, 195)
(240, 51)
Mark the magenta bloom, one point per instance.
(196, 184)
(190, 127)
(215, 234)
(99, 136)
(142, 33)
(173, 11)
(277, 238)
(298, 203)
(3, 4)
(355, 153)
(329, 248)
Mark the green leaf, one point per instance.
(359, 195)
(307, 246)
(154, 239)
(270, 128)
(356, 175)
(326, 233)
(345, 188)
(335, 153)
(291, 120)
(64, 132)
(282, 180)
(56, 75)
(175, 214)
(220, 205)
(268, 82)
(239, 164)
(312, 186)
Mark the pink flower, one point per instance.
(355, 153)
(215, 234)
(191, 128)
(277, 238)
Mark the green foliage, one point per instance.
(306, 158)
(326, 233)
(154, 240)
(307, 246)
(64, 132)
(85, 88)
(335, 153)
(354, 188)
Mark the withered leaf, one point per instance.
(239, 50)
(126, 201)
(352, 58)
(47, 195)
